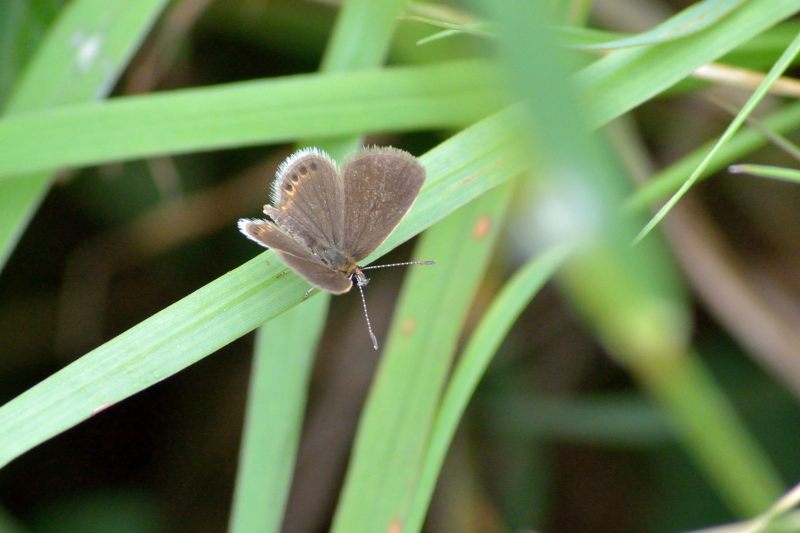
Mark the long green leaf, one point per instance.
(269, 111)
(459, 170)
(284, 356)
(482, 345)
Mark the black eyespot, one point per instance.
(303, 170)
(294, 178)
(313, 166)
(288, 187)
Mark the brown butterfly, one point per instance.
(324, 221)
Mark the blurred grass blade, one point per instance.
(767, 171)
(63, 72)
(626, 78)
(616, 420)
(710, 428)
(775, 72)
(449, 28)
(286, 345)
(284, 109)
(395, 425)
(483, 344)
(696, 17)
(459, 170)
(284, 356)
(640, 318)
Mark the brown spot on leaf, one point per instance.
(395, 526)
(469, 179)
(409, 325)
(481, 227)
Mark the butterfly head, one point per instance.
(358, 278)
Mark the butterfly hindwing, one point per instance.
(380, 184)
(295, 255)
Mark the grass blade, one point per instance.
(766, 171)
(275, 406)
(641, 319)
(477, 355)
(239, 114)
(396, 421)
(693, 19)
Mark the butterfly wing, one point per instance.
(294, 255)
(380, 184)
(308, 199)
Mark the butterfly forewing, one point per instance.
(295, 255)
(308, 193)
(380, 184)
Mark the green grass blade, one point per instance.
(766, 171)
(53, 78)
(484, 342)
(355, 45)
(396, 421)
(286, 345)
(696, 17)
(275, 406)
(775, 72)
(239, 114)
(624, 79)
(459, 170)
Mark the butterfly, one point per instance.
(324, 220)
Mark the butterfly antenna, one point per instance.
(366, 315)
(407, 263)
